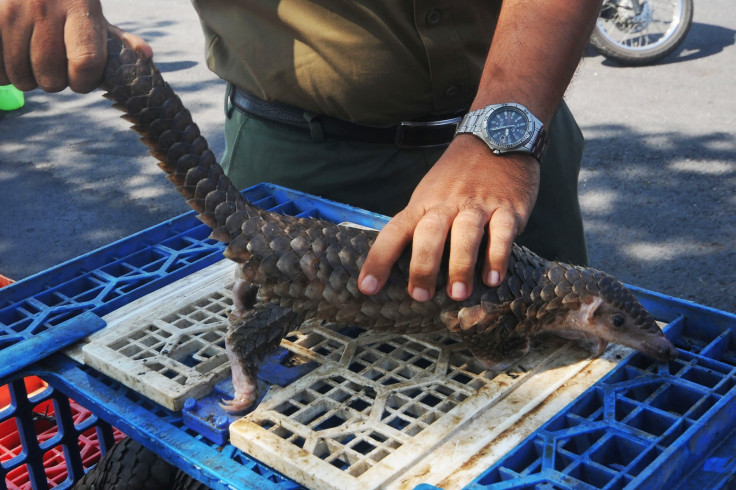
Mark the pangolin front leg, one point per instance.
(496, 350)
(491, 334)
(250, 336)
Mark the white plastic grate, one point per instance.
(169, 346)
(381, 406)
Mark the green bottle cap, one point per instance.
(10, 98)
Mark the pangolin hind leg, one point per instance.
(251, 335)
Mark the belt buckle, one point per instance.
(443, 129)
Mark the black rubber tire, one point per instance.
(639, 57)
(129, 466)
(182, 481)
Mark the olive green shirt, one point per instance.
(367, 61)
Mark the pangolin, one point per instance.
(295, 269)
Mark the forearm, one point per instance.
(536, 48)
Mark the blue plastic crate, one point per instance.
(642, 426)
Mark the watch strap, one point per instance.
(540, 145)
(473, 121)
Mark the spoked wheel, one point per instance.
(639, 32)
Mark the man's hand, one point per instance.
(53, 44)
(466, 191)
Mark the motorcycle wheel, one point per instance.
(636, 38)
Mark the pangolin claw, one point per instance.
(239, 404)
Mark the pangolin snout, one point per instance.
(660, 349)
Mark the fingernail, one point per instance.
(420, 294)
(369, 285)
(459, 291)
(493, 278)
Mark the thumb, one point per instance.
(136, 43)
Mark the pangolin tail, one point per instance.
(165, 125)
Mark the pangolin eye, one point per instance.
(618, 321)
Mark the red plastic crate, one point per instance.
(34, 385)
(4, 281)
(46, 428)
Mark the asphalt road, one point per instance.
(657, 187)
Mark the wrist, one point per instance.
(469, 153)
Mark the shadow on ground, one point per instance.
(660, 211)
(73, 177)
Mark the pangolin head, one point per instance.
(606, 308)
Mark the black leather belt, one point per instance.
(406, 134)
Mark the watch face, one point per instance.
(508, 127)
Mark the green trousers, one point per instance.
(382, 177)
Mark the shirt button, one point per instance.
(452, 90)
(434, 17)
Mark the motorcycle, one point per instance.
(640, 32)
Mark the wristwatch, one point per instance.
(506, 128)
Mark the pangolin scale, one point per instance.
(294, 269)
